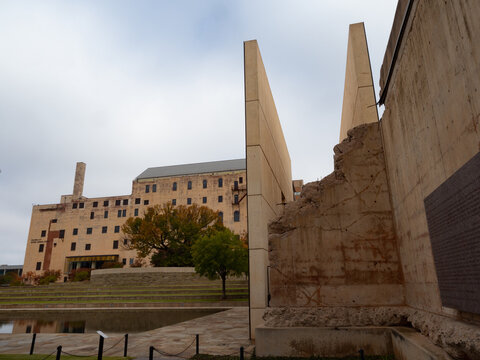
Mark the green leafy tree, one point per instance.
(220, 254)
(169, 232)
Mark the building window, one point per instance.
(174, 202)
(125, 241)
(146, 202)
(240, 179)
(119, 213)
(220, 216)
(204, 183)
(89, 231)
(131, 261)
(189, 185)
(61, 234)
(95, 204)
(75, 231)
(39, 266)
(115, 244)
(135, 212)
(124, 261)
(92, 215)
(154, 188)
(105, 214)
(220, 182)
(124, 212)
(117, 229)
(75, 205)
(88, 246)
(137, 201)
(236, 216)
(73, 246)
(40, 247)
(54, 221)
(81, 205)
(105, 203)
(220, 198)
(104, 229)
(147, 188)
(189, 201)
(125, 201)
(44, 233)
(235, 185)
(174, 187)
(235, 199)
(204, 200)
(118, 202)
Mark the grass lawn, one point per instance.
(51, 357)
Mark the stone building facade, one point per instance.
(86, 232)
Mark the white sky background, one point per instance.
(126, 85)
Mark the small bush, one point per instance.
(81, 274)
(139, 262)
(49, 276)
(112, 265)
(10, 278)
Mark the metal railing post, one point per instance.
(125, 347)
(150, 353)
(197, 347)
(362, 357)
(33, 343)
(241, 353)
(100, 348)
(59, 352)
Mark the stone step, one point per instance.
(123, 292)
(159, 297)
(210, 304)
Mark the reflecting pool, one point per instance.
(89, 320)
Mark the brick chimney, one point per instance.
(79, 179)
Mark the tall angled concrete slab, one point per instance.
(269, 176)
(358, 95)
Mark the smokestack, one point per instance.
(79, 179)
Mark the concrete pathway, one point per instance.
(221, 333)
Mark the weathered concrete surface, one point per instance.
(322, 341)
(358, 95)
(459, 339)
(430, 127)
(336, 245)
(404, 343)
(269, 175)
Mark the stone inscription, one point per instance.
(453, 216)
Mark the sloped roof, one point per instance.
(190, 169)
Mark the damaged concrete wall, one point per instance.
(336, 245)
(431, 127)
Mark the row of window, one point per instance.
(118, 202)
(89, 230)
(189, 185)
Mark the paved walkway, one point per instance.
(221, 333)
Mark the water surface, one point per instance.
(89, 321)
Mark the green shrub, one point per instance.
(49, 276)
(112, 265)
(10, 278)
(81, 274)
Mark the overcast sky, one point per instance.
(126, 85)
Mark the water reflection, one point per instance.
(89, 321)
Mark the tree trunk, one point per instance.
(224, 291)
